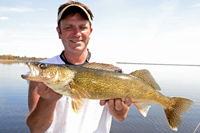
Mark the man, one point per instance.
(51, 112)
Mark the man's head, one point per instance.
(74, 27)
(71, 8)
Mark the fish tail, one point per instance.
(178, 107)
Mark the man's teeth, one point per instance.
(76, 41)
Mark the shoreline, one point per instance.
(17, 61)
(5, 61)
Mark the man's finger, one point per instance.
(111, 104)
(118, 104)
(102, 102)
(128, 102)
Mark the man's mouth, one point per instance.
(76, 41)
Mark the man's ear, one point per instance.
(59, 32)
(91, 30)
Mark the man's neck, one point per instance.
(76, 59)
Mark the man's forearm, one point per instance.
(41, 118)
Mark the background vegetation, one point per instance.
(12, 57)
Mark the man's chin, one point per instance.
(79, 49)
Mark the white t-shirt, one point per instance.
(92, 118)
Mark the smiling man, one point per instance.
(74, 30)
(51, 112)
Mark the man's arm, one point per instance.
(117, 108)
(42, 102)
(33, 96)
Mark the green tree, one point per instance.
(10, 57)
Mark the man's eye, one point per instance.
(67, 28)
(83, 27)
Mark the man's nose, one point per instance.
(77, 32)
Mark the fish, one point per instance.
(104, 81)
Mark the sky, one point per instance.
(141, 31)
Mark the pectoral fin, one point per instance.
(77, 104)
(143, 107)
(78, 95)
(78, 92)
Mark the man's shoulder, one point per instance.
(53, 60)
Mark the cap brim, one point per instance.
(61, 13)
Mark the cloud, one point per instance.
(4, 18)
(15, 9)
(38, 25)
(169, 7)
(196, 5)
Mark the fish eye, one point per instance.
(42, 66)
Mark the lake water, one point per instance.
(174, 81)
(13, 98)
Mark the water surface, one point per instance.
(13, 98)
(174, 81)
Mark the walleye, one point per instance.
(101, 81)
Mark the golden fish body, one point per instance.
(101, 84)
(91, 81)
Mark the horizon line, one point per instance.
(161, 64)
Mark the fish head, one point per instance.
(40, 72)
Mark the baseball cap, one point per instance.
(64, 9)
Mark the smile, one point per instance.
(76, 41)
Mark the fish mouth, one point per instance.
(33, 72)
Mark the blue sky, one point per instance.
(158, 31)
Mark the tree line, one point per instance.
(12, 57)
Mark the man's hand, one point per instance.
(117, 108)
(42, 103)
(47, 93)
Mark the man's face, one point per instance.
(75, 33)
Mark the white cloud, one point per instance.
(29, 43)
(39, 25)
(174, 46)
(196, 5)
(15, 9)
(168, 7)
(4, 18)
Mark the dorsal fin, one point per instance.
(147, 77)
(102, 66)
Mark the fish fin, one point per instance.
(143, 107)
(77, 104)
(78, 92)
(147, 77)
(102, 66)
(178, 107)
(77, 97)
